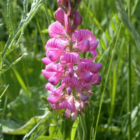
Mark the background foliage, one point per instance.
(115, 107)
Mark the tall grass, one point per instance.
(114, 113)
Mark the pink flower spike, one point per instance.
(55, 79)
(46, 60)
(64, 64)
(54, 54)
(67, 113)
(46, 74)
(56, 30)
(94, 45)
(59, 15)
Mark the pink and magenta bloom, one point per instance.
(64, 65)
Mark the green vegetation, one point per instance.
(114, 113)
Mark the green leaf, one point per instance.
(24, 107)
(11, 127)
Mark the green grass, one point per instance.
(114, 113)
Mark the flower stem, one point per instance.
(70, 44)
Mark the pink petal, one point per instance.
(54, 54)
(85, 86)
(52, 67)
(56, 30)
(94, 53)
(84, 97)
(94, 78)
(70, 104)
(71, 81)
(70, 68)
(55, 79)
(77, 19)
(59, 90)
(47, 74)
(49, 87)
(53, 98)
(69, 90)
(86, 76)
(59, 15)
(82, 35)
(96, 67)
(55, 43)
(67, 113)
(46, 60)
(69, 9)
(89, 66)
(74, 116)
(94, 45)
(84, 46)
(69, 58)
(98, 81)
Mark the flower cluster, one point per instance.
(63, 62)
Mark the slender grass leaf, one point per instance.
(124, 18)
(74, 129)
(4, 91)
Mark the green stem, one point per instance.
(129, 81)
(70, 44)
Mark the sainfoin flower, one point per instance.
(64, 65)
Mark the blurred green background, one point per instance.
(114, 113)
